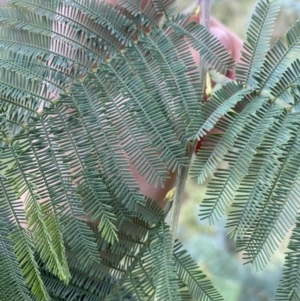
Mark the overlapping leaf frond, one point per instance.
(204, 42)
(12, 283)
(17, 246)
(258, 40)
(46, 230)
(216, 145)
(197, 283)
(144, 11)
(164, 274)
(224, 186)
(280, 57)
(164, 7)
(281, 206)
(257, 137)
(91, 95)
(220, 103)
(262, 171)
(286, 89)
(289, 286)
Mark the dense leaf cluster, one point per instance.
(88, 90)
(259, 139)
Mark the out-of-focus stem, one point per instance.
(204, 19)
(204, 13)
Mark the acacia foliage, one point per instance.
(88, 90)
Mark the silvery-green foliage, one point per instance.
(259, 139)
(87, 91)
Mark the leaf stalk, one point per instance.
(204, 19)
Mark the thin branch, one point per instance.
(204, 18)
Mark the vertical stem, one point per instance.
(179, 193)
(204, 19)
(204, 13)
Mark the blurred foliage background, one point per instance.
(209, 245)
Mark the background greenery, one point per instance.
(209, 245)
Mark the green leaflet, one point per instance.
(164, 274)
(287, 86)
(46, 231)
(22, 247)
(258, 39)
(280, 57)
(164, 7)
(251, 195)
(217, 106)
(280, 209)
(217, 145)
(223, 187)
(214, 53)
(197, 284)
(289, 286)
(12, 284)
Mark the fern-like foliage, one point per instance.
(258, 136)
(88, 92)
(197, 284)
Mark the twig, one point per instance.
(204, 19)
